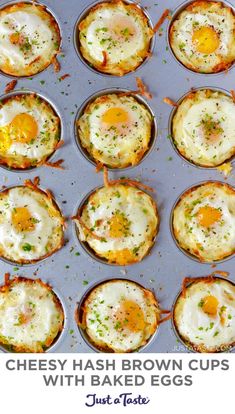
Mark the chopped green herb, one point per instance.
(27, 247)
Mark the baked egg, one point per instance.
(31, 225)
(203, 221)
(204, 314)
(118, 223)
(203, 128)
(31, 315)
(115, 37)
(202, 36)
(29, 131)
(119, 316)
(116, 130)
(29, 39)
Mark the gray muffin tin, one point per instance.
(71, 271)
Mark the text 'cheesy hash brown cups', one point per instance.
(203, 127)
(202, 36)
(31, 315)
(118, 316)
(118, 223)
(116, 130)
(29, 131)
(115, 37)
(29, 39)
(204, 314)
(31, 225)
(203, 221)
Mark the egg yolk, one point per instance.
(23, 128)
(210, 305)
(130, 316)
(24, 318)
(22, 219)
(115, 116)
(122, 28)
(205, 40)
(122, 257)
(207, 216)
(118, 226)
(15, 38)
(212, 129)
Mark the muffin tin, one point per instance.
(71, 271)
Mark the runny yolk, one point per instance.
(22, 219)
(208, 215)
(115, 116)
(118, 226)
(210, 305)
(130, 316)
(205, 40)
(23, 128)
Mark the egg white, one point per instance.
(202, 331)
(100, 323)
(44, 239)
(187, 127)
(46, 316)
(116, 145)
(206, 243)
(200, 14)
